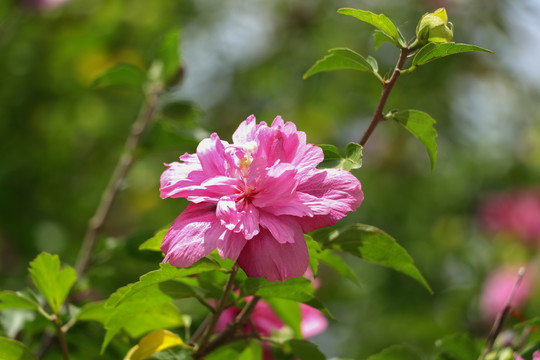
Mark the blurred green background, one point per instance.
(60, 139)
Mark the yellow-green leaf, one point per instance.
(153, 343)
(14, 350)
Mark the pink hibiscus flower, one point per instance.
(536, 356)
(254, 199)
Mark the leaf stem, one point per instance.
(61, 336)
(388, 85)
(124, 163)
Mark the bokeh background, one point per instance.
(478, 211)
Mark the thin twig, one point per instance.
(499, 321)
(388, 85)
(61, 336)
(115, 183)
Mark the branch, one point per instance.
(124, 163)
(61, 336)
(388, 85)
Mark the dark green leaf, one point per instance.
(420, 124)
(313, 250)
(154, 243)
(379, 21)
(52, 282)
(305, 350)
(14, 350)
(121, 76)
(168, 54)
(375, 246)
(16, 300)
(397, 352)
(339, 59)
(457, 347)
(532, 322)
(289, 312)
(338, 264)
(433, 51)
(172, 353)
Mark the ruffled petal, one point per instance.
(331, 194)
(263, 256)
(273, 185)
(193, 235)
(285, 229)
(230, 245)
(246, 131)
(180, 176)
(211, 154)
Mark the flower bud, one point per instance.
(434, 27)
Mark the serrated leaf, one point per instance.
(396, 352)
(433, 51)
(379, 21)
(154, 243)
(123, 76)
(14, 350)
(52, 282)
(338, 264)
(380, 37)
(375, 246)
(151, 291)
(313, 251)
(420, 124)
(457, 347)
(16, 300)
(289, 312)
(152, 343)
(168, 53)
(296, 289)
(340, 59)
(305, 350)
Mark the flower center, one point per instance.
(246, 161)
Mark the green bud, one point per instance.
(433, 27)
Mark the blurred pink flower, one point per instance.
(43, 5)
(516, 213)
(536, 356)
(254, 199)
(497, 289)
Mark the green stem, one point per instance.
(61, 336)
(388, 85)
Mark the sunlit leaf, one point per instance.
(16, 300)
(52, 282)
(152, 343)
(121, 76)
(420, 124)
(253, 351)
(434, 51)
(313, 251)
(333, 159)
(14, 350)
(305, 350)
(375, 246)
(379, 21)
(340, 59)
(154, 243)
(396, 352)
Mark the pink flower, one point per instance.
(516, 213)
(536, 356)
(44, 5)
(254, 199)
(497, 289)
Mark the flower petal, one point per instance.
(246, 131)
(230, 244)
(331, 194)
(193, 235)
(211, 154)
(285, 229)
(180, 176)
(263, 256)
(313, 321)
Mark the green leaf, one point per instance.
(396, 352)
(379, 21)
(420, 124)
(95, 311)
(154, 243)
(289, 312)
(152, 290)
(434, 51)
(52, 282)
(375, 246)
(338, 264)
(380, 37)
(296, 289)
(14, 350)
(531, 322)
(253, 351)
(313, 251)
(353, 157)
(339, 59)
(457, 347)
(16, 300)
(121, 76)
(168, 55)
(305, 350)
(164, 316)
